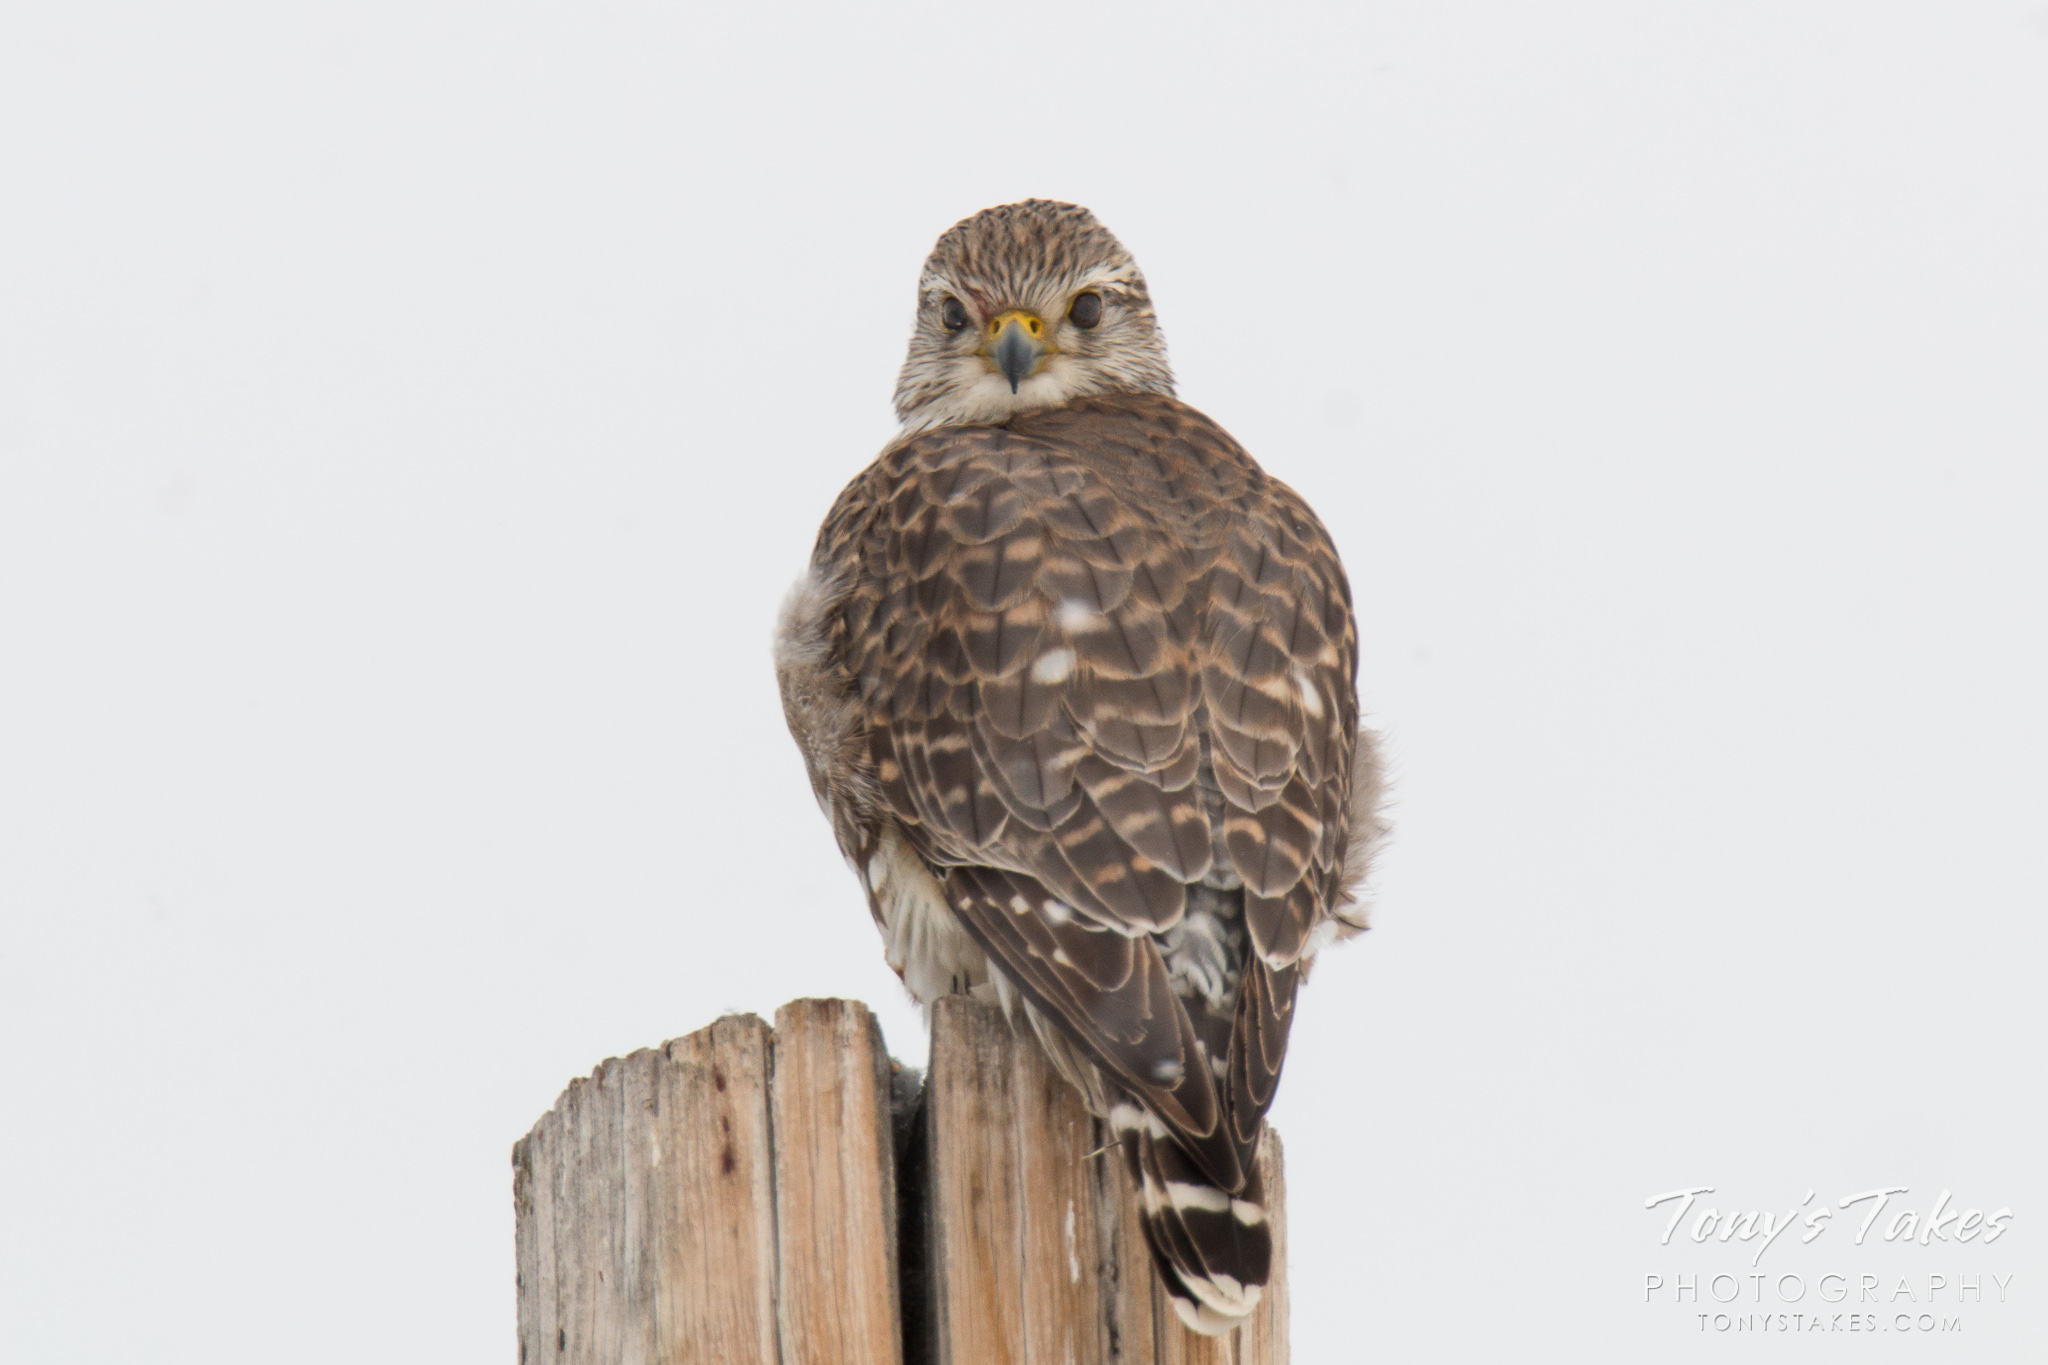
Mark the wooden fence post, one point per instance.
(787, 1197)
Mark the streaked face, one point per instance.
(1025, 307)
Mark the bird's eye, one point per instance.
(1086, 310)
(952, 314)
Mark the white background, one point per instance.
(411, 415)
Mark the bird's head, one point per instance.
(1025, 306)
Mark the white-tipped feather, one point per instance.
(1201, 1318)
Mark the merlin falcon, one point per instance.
(1075, 683)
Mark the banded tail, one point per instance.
(1214, 1249)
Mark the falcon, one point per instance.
(1074, 681)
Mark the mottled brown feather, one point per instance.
(1099, 657)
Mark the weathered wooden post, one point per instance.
(786, 1197)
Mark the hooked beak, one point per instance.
(1017, 345)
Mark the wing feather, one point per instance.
(1104, 658)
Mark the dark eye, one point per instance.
(1086, 311)
(952, 314)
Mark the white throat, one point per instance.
(980, 396)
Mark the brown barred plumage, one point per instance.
(1076, 691)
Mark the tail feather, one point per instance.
(1213, 1248)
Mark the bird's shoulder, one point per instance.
(1116, 467)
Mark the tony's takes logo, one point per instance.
(1905, 1228)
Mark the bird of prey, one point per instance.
(1074, 680)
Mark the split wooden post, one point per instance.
(788, 1196)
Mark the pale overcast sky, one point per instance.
(411, 415)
